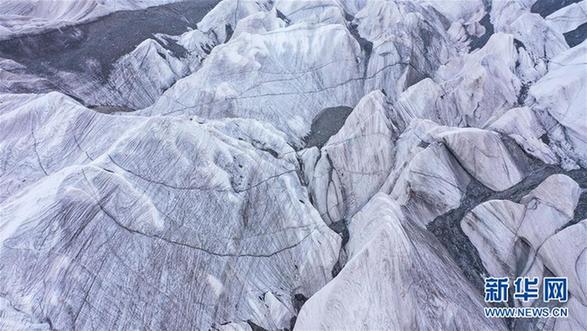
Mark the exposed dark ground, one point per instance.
(547, 7)
(92, 47)
(577, 36)
(326, 124)
(478, 42)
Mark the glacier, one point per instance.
(289, 165)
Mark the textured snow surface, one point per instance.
(393, 263)
(307, 165)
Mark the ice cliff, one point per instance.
(307, 165)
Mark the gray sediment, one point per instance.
(92, 47)
(326, 124)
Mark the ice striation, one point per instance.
(113, 192)
(273, 165)
(399, 267)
